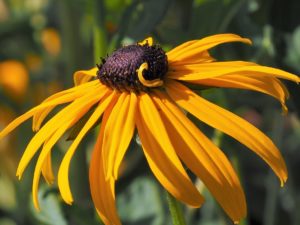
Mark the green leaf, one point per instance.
(51, 213)
(147, 16)
(141, 203)
(293, 53)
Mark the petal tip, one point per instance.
(68, 201)
(19, 175)
(284, 109)
(247, 41)
(50, 181)
(36, 204)
(283, 181)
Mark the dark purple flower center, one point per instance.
(119, 70)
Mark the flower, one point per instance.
(14, 79)
(50, 40)
(141, 87)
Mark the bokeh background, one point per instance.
(43, 42)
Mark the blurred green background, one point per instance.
(43, 42)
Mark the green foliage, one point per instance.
(51, 212)
(144, 193)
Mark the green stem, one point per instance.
(217, 140)
(234, 9)
(176, 211)
(99, 32)
(271, 205)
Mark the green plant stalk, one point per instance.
(271, 204)
(72, 53)
(176, 211)
(99, 43)
(99, 32)
(217, 139)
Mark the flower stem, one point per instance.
(176, 211)
(99, 32)
(271, 204)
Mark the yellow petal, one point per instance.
(198, 72)
(267, 85)
(44, 153)
(193, 49)
(57, 101)
(71, 111)
(205, 159)
(161, 155)
(63, 179)
(187, 68)
(76, 92)
(230, 124)
(83, 76)
(39, 117)
(47, 170)
(102, 190)
(72, 115)
(203, 57)
(118, 133)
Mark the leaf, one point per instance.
(51, 212)
(293, 53)
(141, 203)
(148, 15)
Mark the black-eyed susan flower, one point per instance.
(140, 87)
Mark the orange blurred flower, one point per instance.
(51, 41)
(14, 79)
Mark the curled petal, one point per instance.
(83, 76)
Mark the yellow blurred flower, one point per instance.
(14, 79)
(50, 39)
(140, 87)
